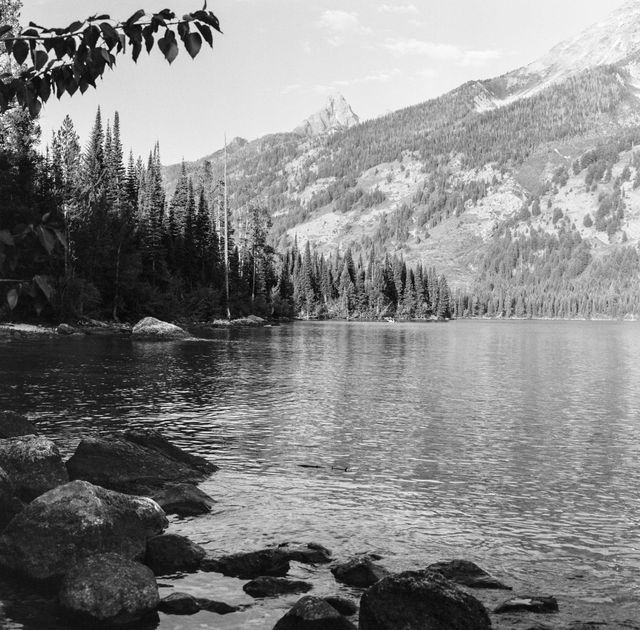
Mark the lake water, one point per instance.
(513, 444)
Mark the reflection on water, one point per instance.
(514, 444)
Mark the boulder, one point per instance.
(9, 505)
(249, 565)
(59, 528)
(33, 464)
(529, 603)
(120, 464)
(359, 571)
(220, 608)
(14, 425)
(309, 553)
(152, 328)
(269, 586)
(183, 499)
(179, 604)
(66, 329)
(343, 605)
(313, 613)
(468, 574)
(420, 600)
(109, 589)
(170, 553)
(155, 441)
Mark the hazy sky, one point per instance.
(278, 60)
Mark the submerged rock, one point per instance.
(171, 553)
(313, 613)
(14, 425)
(309, 553)
(179, 604)
(468, 574)
(121, 464)
(269, 586)
(33, 464)
(249, 565)
(109, 589)
(420, 600)
(359, 571)
(152, 328)
(343, 605)
(529, 603)
(59, 528)
(183, 499)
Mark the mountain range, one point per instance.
(525, 185)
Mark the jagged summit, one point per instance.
(335, 115)
(612, 41)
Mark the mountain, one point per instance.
(524, 189)
(336, 115)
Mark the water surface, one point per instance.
(514, 444)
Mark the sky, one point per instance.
(278, 60)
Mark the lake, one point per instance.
(513, 444)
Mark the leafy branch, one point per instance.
(59, 60)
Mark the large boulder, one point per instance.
(9, 505)
(152, 328)
(170, 553)
(269, 586)
(249, 565)
(420, 600)
(468, 574)
(14, 425)
(118, 463)
(359, 571)
(61, 527)
(109, 589)
(344, 606)
(183, 499)
(313, 613)
(33, 464)
(307, 553)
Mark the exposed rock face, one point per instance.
(118, 463)
(343, 605)
(529, 603)
(61, 527)
(359, 571)
(249, 565)
(420, 600)
(151, 328)
(313, 613)
(14, 425)
(335, 115)
(33, 464)
(468, 574)
(183, 499)
(310, 553)
(109, 589)
(170, 553)
(267, 586)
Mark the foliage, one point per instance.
(59, 60)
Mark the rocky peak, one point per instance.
(335, 115)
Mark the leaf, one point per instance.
(60, 46)
(109, 34)
(45, 286)
(208, 18)
(135, 17)
(12, 298)
(6, 238)
(206, 33)
(40, 59)
(73, 27)
(90, 36)
(193, 44)
(46, 238)
(20, 50)
(168, 46)
(147, 33)
(5, 28)
(45, 90)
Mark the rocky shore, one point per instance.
(92, 533)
